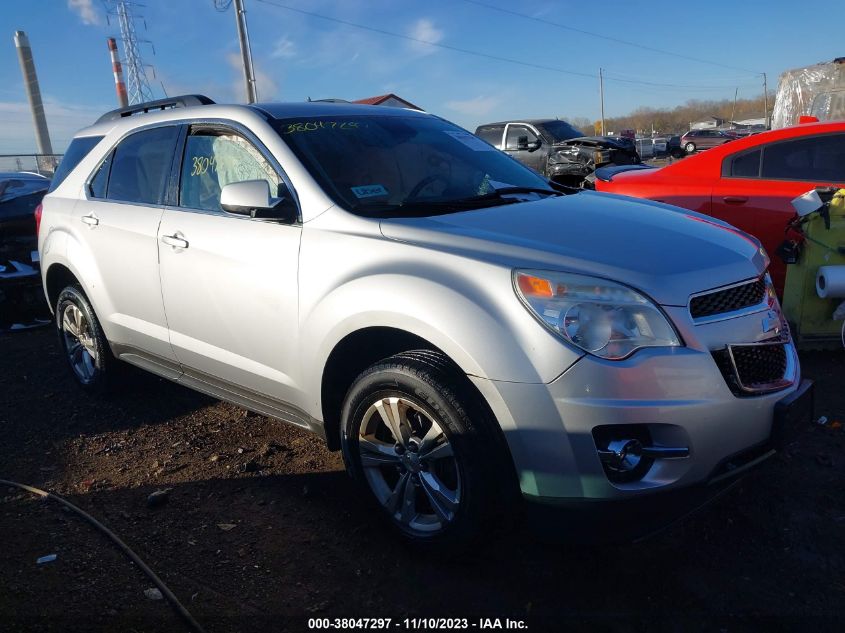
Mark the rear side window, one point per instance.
(817, 158)
(76, 151)
(492, 135)
(140, 166)
(745, 165)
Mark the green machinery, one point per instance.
(822, 232)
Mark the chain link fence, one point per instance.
(44, 164)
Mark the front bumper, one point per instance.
(679, 394)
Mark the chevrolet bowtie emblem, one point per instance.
(771, 322)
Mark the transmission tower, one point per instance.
(137, 85)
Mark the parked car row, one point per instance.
(21, 299)
(557, 150)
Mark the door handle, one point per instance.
(175, 240)
(735, 199)
(90, 219)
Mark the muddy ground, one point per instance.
(263, 529)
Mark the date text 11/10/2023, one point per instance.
(417, 624)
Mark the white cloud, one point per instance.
(476, 106)
(86, 11)
(424, 30)
(285, 48)
(265, 86)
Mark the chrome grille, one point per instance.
(728, 300)
(752, 369)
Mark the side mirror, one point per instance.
(533, 146)
(522, 142)
(252, 198)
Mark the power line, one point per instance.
(474, 53)
(608, 38)
(410, 38)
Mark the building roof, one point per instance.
(378, 100)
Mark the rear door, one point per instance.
(758, 185)
(117, 221)
(229, 281)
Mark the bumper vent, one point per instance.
(728, 300)
(754, 369)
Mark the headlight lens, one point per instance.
(599, 316)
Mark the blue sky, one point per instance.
(300, 55)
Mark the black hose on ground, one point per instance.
(165, 591)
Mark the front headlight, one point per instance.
(599, 316)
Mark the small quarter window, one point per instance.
(100, 180)
(745, 165)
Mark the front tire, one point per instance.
(418, 440)
(82, 340)
(689, 148)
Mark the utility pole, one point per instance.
(765, 101)
(246, 53)
(601, 96)
(733, 111)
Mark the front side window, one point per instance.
(215, 158)
(394, 165)
(817, 158)
(516, 131)
(140, 165)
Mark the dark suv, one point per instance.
(704, 139)
(556, 149)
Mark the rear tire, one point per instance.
(85, 347)
(448, 478)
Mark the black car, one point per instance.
(22, 302)
(556, 149)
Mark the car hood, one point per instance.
(595, 141)
(666, 252)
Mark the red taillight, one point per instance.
(806, 118)
(38, 210)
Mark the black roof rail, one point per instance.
(182, 101)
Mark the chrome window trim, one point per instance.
(505, 134)
(211, 122)
(789, 373)
(734, 314)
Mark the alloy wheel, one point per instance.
(79, 343)
(409, 464)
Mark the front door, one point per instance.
(529, 156)
(230, 281)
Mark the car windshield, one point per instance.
(561, 130)
(394, 166)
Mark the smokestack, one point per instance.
(117, 69)
(30, 80)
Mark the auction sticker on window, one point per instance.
(369, 191)
(470, 140)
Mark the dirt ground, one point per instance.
(263, 530)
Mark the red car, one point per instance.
(749, 182)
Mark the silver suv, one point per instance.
(475, 340)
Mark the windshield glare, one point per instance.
(394, 165)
